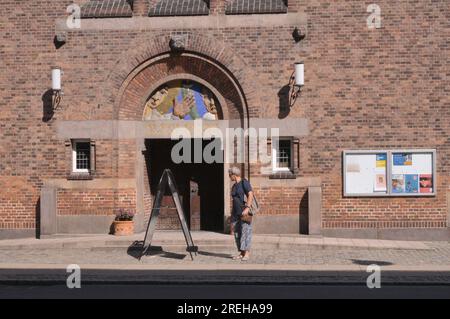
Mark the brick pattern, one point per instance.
(256, 6)
(99, 202)
(364, 89)
(179, 8)
(106, 9)
(282, 200)
(395, 212)
(15, 196)
(384, 224)
(141, 7)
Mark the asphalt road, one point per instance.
(221, 284)
(224, 291)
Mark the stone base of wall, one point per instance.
(17, 233)
(276, 224)
(390, 234)
(86, 224)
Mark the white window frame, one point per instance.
(74, 156)
(274, 145)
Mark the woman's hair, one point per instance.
(234, 171)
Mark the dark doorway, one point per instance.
(207, 177)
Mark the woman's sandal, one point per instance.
(237, 257)
(245, 258)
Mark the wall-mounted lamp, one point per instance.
(56, 87)
(299, 74)
(297, 81)
(298, 35)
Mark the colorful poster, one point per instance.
(402, 159)
(411, 183)
(380, 183)
(426, 183)
(381, 160)
(398, 183)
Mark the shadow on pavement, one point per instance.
(220, 255)
(371, 262)
(136, 251)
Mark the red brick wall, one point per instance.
(394, 212)
(282, 200)
(94, 201)
(15, 197)
(376, 89)
(365, 89)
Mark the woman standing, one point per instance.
(242, 230)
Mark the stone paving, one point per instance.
(203, 237)
(275, 259)
(437, 253)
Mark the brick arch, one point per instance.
(222, 111)
(152, 74)
(209, 51)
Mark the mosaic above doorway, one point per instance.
(181, 100)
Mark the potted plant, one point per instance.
(123, 225)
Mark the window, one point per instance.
(106, 9)
(81, 156)
(256, 6)
(282, 155)
(179, 8)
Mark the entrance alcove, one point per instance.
(200, 186)
(169, 92)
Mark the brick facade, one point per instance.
(94, 202)
(365, 89)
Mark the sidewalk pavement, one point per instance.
(269, 252)
(274, 259)
(208, 238)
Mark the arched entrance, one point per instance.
(200, 184)
(176, 89)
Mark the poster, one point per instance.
(402, 159)
(365, 173)
(398, 183)
(411, 183)
(426, 183)
(381, 160)
(380, 183)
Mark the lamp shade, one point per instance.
(299, 74)
(56, 79)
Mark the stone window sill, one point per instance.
(80, 176)
(283, 175)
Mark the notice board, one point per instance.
(389, 173)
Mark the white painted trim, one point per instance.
(276, 169)
(74, 156)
